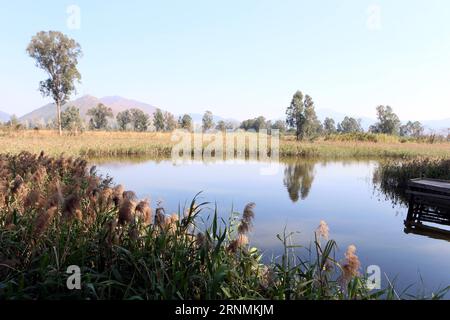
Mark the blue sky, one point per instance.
(242, 58)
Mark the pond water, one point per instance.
(297, 194)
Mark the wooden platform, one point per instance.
(430, 190)
(429, 202)
(427, 231)
(433, 185)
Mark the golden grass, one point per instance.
(87, 144)
(154, 144)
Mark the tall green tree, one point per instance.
(388, 121)
(248, 124)
(301, 116)
(123, 119)
(71, 119)
(260, 123)
(99, 117)
(329, 126)
(412, 129)
(139, 120)
(185, 122)
(294, 114)
(311, 126)
(221, 125)
(58, 56)
(255, 124)
(349, 125)
(207, 121)
(158, 120)
(279, 125)
(170, 123)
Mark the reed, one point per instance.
(57, 212)
(153, 144)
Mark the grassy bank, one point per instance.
(55, 213)
(109, 144)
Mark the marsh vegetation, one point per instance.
(392, 176)
(157, 144)
(57, 212)
(54, 213)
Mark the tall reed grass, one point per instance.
(153, 144)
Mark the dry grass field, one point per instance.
(155, 144)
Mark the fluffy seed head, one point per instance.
(350, 269)
(126, 211)
(160, 218)
(43, 220)
(144, 212)
(71, 207)
(323, 230)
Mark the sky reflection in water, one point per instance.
(298, 196)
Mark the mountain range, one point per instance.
(118, 104)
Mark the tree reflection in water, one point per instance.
(298, 179)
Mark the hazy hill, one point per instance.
(48, 112)
(4, 116)
(116, 103)
(437, 125)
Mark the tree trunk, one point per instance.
(58, 115)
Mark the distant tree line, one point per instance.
(301, 121)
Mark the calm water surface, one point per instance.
(297, 195)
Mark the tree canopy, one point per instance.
(255, 124)
(185, 122)
(279, 125)
(412, 129)
(329, 126)
(123, 119)
(301, 116)
(170, 123)
(207, 121)
(349, 125)
(388, 121)
(99, 117)
(294, 114)
(71, 119)
(139, 120)
(158, 120)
